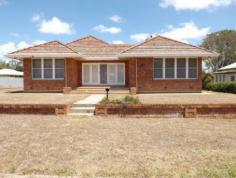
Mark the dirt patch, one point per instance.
(188, 98)
(16, 96)
(99, 147)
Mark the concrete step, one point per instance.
(83, 105)
(82, 110)
(81, 114)
(99, 91)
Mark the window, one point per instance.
(158, 69)
(232, 78)
(59, 68)
(37, 69)
(175, 68)
(48, 69)
(192, 68)
(181, 68)
(170, 68)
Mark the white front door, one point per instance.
(103, 74)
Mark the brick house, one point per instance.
(156, 65)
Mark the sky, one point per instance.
(31, 22)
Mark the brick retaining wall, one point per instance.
(34, 109)
(170, 110)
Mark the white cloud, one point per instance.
(104, 29)
(53, 26)
(36, 17)
(116, 18)
(195, 4)
(186, 31)
(139, 37)
(11, 46)
(118, 42)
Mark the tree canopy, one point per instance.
(223, 42)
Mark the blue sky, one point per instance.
(28, 22)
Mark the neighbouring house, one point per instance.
(10, 78)
(159, 64)
(226, 74)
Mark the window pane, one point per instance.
(47, 63)
(59, 73)
(192, 63)
(111, 73)
(37, 63)
(37, 73)
(120, 73)
(94, 73)
(158, 68)
(48, 73)
(170, 71)
(59, 63)
(192, 73)
(181, 68)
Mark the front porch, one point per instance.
(101, 90)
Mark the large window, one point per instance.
(48, 69)
(175, 68)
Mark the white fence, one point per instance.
(11, 82)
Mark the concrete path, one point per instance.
(92, 99)
(86, 107)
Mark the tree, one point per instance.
(224, 43)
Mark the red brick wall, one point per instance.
(39, 85)
(71, 79)
(73, 73)
(146, 83)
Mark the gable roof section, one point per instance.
(160, 46)
(50, 49)
(228, 67)
(92, 48)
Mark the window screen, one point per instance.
(158, 69)
(170, 68)
(181, 68)
(37, 69)
(192, 70)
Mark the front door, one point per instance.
(103, 74)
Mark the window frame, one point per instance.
(175, 68)
(42, 69)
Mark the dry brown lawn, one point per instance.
(17, 96)
(117, 147)
(205, 97)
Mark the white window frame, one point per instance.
(42, 69)
(175, 69)
(99, 83)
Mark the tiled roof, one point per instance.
(162, 46)
(92, 48)
(53, 47)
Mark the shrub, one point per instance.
(206, 79)
(125, 100)
(227, 87)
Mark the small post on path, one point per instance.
(107, 91)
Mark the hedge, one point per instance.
(227, 87)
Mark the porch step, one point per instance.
(85, 107)
(100, 90)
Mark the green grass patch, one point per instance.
(125, 100)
